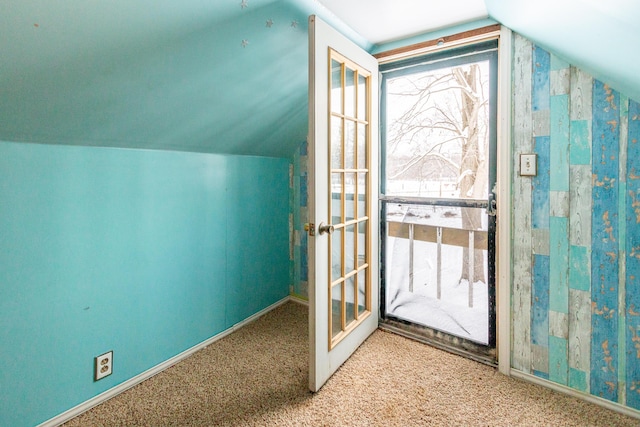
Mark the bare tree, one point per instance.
(444, 109)
(472, 165)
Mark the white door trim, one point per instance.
(503, 179)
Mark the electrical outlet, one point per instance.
(103, 365)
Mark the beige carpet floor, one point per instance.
(257, 376)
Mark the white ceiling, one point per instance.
(381, 21)
(601, 37)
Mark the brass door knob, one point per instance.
(325, 228)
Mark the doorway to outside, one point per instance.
(438, 147)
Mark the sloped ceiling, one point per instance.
(600, 36)
(230, 76)
(193, 75)
(381, 21)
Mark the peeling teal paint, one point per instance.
(632, 295)
(578, 380)
(559, 144)
(580, 151)
(559, 265)
(541, 374)
(604, 255)
(603, 267)
(558, 360)
(541, 96)
(540, 301)
(579, 274)
(540, 184)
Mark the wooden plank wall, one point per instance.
(576, 229)
(632, 278)
(298, 217)
(521, 220)
(604, 242)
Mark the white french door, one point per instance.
(343, 199)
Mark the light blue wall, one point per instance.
(146, 253)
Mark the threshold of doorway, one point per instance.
(401, 330)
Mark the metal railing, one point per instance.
(470, 239)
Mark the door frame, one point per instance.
(505, 156)
(504, 168)
(486, 50)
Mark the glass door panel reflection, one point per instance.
(349, 255)
(428, 282)
(439, 165)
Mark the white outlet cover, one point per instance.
(103, 365)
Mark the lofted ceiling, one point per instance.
(230, 76)
(381, 21)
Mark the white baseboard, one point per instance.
(299, 300)
(103, 397)
(614, 406)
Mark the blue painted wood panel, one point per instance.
(541, 84)
(632, 306)
(579, 274)
(540, 301)
(540, 184)
(578, 379)
(580, 152)
(604, 255)
(558, 360)
(559, 265)
(540, 374)
(559, 145)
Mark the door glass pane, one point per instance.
(429, 265)
(350, 190)
(350, 93)
(349, 249)
(336, 142)
(438, 132)
(362, 243)
(336, 310)
(362, 97)
(336, 198)
(336, 87)
(336, 254)
(350, 144)
(350, 314)
(361, 146)
(362, 277)
(362, 191)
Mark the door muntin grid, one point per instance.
(349, 198)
